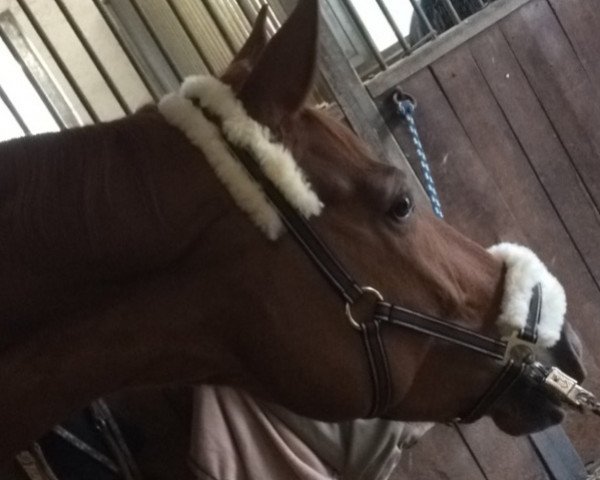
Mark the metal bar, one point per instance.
(215, 18)
(481, 3)
(102, 413)
(117, 34)
(388, 16)
(93, 57)
(246, 22)
(493, 13)
(27, 461)
(37, 70)
(13, 111)
(32, 80)
(84, 447)
(452, 11)
(190, 36)
(144, 19)
(365, 34)
(56, 57)
(247, 11)
(421, 14)
(423, 40)
(250, 12)
(40, 459)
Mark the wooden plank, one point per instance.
(502, 154)
(358, 107)
(446, 42)
(502, 456)
(536, 136)
(558, 454)
(473, 203)
(436, 457)
(570, 100)
(580, 21)
(478, 209)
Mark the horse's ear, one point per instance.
(257, 40)
(245, 60)
(283, 77)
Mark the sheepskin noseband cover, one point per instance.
(523, 270)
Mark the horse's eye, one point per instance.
(402, 208)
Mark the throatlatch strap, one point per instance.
(380, 370)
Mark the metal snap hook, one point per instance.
(348, 308)
(399, 96)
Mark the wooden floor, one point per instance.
(511, 123)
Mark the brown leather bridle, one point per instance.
(515, 356)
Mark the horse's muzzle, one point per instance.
(567, 354)
(562, 380)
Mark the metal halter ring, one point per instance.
(400, 95)
(364, 290)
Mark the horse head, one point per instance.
(125, 262)
(372, 223)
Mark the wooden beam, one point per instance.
(443, 44)
(358, 107)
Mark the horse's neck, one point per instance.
(53, 370)
(84, 216)
(91, 204)
(62, 366)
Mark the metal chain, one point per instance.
(405, 108)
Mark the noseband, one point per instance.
(515, 355)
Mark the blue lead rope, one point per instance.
(406, 108)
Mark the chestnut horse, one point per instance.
(124, 262)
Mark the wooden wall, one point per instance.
(511, 123)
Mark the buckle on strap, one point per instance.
(376, 355)
(518, 349)
(348, 309)
(522, 344)
(530, 330)
(565, 388)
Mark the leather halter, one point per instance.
(515, 355)
(385, 313)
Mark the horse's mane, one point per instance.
(137, 133)
(50, 183)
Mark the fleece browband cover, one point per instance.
(523, 270)
(238, 128)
